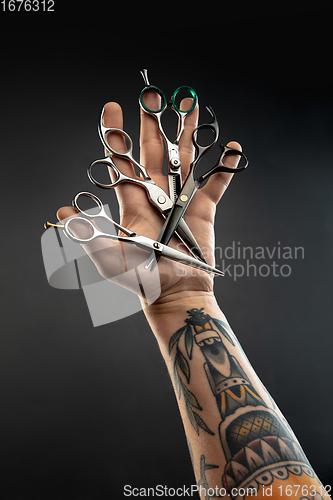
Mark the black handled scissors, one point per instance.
(133, 238)
(156, 194)
(174, 163)
(191, 184)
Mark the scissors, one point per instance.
(133, 238)
(156, 194)
(191, 184)
(174, 163)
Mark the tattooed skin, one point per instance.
(261, 452)
(203, 483)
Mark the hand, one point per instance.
(137, 214)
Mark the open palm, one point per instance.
(138, 215)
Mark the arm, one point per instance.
(238, 436)
(239, 440)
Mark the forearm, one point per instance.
(237, 436)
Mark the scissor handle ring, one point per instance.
(109, 163)
(72, 236)
(226, 151)
(159, 92)
(113, 151)
(213, 126)
(204, 126)
(88, 195)
(193, 94)
(198, 147)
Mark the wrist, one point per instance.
(166, 315)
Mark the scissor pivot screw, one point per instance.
(156, 245)
(183, 197)
(175, 164)
(161, 199)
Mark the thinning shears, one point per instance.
(173, 156)
(156, 194)
(191, 184)
(131, 237)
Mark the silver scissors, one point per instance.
(191, 184)
(156, 194)
(132, 237)
(174, 163)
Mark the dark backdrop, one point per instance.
(86, 410)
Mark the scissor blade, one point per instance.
(169, 228)
(170, 225)
(175, 186)
(164, 204)
(175, 215)
(186, 235)
(170, 253)
(178, 210)
(177, 256)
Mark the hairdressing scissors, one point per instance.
(191, 184)
(131, 237)
(174, 163)
(156, 194)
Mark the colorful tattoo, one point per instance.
(203, 483)
(258, 446)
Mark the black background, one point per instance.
(86, 410)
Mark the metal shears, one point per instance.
(173, 156)
(156, 194)
(132, 238)
(191, 184)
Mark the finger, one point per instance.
(186, 146)
(82, 230)
(113, 118)
(77, 227)
(66, 212)
(151, 142)
(218, 183)
(112, 258)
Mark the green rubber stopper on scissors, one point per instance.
(159, 92)
(193, 94)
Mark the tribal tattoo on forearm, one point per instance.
(260, 449)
